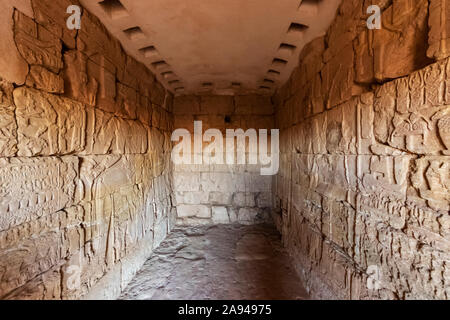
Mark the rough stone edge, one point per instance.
(111, 285)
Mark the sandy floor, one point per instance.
(218, 262)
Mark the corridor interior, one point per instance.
(116, 130)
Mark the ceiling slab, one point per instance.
(220, 46)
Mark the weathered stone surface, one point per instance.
(48, 124)
(242, 199)
(13, 66)
(49, 14)
(42, 79)
(402, 39)
(220, 215)
(338, 76)
(364, 186)
(215, 105)
(439, 29)
(108, 134)
(8, 125)
(79, 85)
(34, 187)
(37, 45)
(89, 195)
(414, 119)
(199, 211)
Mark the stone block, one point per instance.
(14, 68)
(42, 79)
(218, 182)
(264, 200)
(48, 124)
(8, 133)
(216, 105)
(79, 85)
(439, 29)
(187, 182)
(50, 15)
(199, 211)
(220, 215)
(247, 215)
(220, 198)
(186, 105)
(192, 197)
(35, 187)
(402, 39)
(243, 199)
(338, 77)
(38, 47)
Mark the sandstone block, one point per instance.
(38, 48)
(109, 134)
(264, 200)
(219, 182)
(13, 66)
(220, 215)
(8, 133)
(338, 76)
(439, 29)
(49, 14)
(194, 197)
(220, 198)
(95, 42)
(48, 124)
(199, 211)
(216, 105)
(187, 181)
(243, 199)
(42, 79)
(247, 215)
(78, 84)
(35, 187)
(406, 45)
(413, 119)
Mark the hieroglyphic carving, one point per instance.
(108, 134)
(34, 187)
(364, 124)
(431, 178)
(434, 84)
(8, 125)
(48, 124)
(412, 118)
(384, 174)
(384, 107)
(447, 82)
(38, 48)
(416, 131)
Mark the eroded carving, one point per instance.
(48, 124)
(34, 187)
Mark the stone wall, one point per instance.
(221, 193)
(85, 174)
(362, 197)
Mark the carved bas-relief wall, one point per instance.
(85, 171)
(362, 197)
